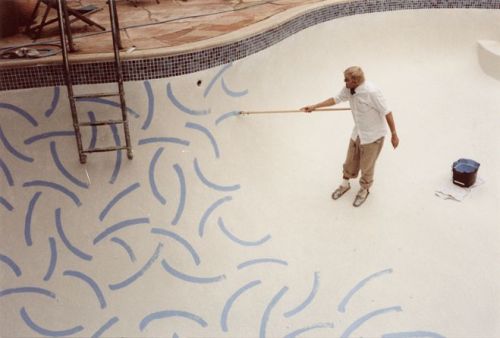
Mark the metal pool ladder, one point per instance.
(64, 31)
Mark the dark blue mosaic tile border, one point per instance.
(162, 67)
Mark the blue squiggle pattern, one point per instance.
(55, 101)
(11, 264)
(29, 216)
(225, 116)
(119, 226)
(108, 103)
(206, 214)
(215, 78)
(12, 150)
(63, 170)
(182, 107)
(188, 278)
(210, 184)
(119, 156)
(6, 204)
(27, 289)
(124, 245)
(46, 332)
(77, 252)
(182, 194)
(139, 273)
(174, 140)
(55, 186)
(19, 111)
(231, 92)
(309, 328)
(152, 181)
(413, 334)
(167, 314)
(90, 282)
(7, 173)
(180, 240)
(116, 199)
(308, 300)
(151, 105)
(267, 312)
(229, 303)
(357, 323)
(262, 261)
(53, 259)
(47, 135)
(238, 240)
(105, 327)
(207, 133)
(93, 129)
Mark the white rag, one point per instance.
(450, 191)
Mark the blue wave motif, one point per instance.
(63, 170)
(182, 194)
(367, 317)
(210, 184)
(119, 226)
(138, 274)
(93, 129)
(309, 328)
(11, 264)
(90, 282)
(29, 216)
(180, 240)
(20, 112)
(152, 181)
(55, 101)
(215, 78)
(413, 334)
(229, 303)
(208, 212)
(12, 150)
(44, 136)
(262, 261)
(174, 140)
(116, 199)
(308, 300)
(127, 247)
(188, 278)
(151, 105)
(207, 133)
(240, 241)
(53, 259)
(119, 156)
(55, 186)
(27, 289)
(6, 204)
(46, 332)
(105, 327)
(182, 107)
(225, 116)
(77, 252)
(231, 92)
(170, 313)
(358, 286)
(108, 103)
(7, 173)
(268, 310)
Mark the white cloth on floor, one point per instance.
(450, 191)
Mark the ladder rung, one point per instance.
(101, 150)
(85, 96)
(100, 123)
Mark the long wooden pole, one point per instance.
(289, 111)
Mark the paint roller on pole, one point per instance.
(288, 111)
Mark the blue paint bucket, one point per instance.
(465, 172)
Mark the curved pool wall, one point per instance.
(222, 225)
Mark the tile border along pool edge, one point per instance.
(176, 62)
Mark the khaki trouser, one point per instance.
(362, 157)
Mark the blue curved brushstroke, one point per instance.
(29, 216)
(152, 182)
(261, 261)
(180, 106)
(174, 140)
(63, 170)
(308, 300)
(267, 312)
(107, 102)
(216, 77)
(21, 112)
(7, 173)
(53, 259)
(206, 214)
(46, 332)
(139, 273)
(151, 105)
(169, 313)
(105, 327)
(188, 278)
(180, 240)
(182, 194)
(358, 286)
(93, 285)
(10, 262)
(413, 334)
(58, 187)
(12, 150)
(118, 162)
(367, 317)
(6, 204)
(127, 247)
(120, 225)
(43, 136)
(27, 289)
(207, 133)
(210, 184)
(231, 92)
(53, 104)
(93, 129)
(226, 116)
(230, 301)
(309, 328)
(240, 241)
(77, 252)
(117, 198)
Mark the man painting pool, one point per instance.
(370, 114)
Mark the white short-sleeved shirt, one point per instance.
(368, 108)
